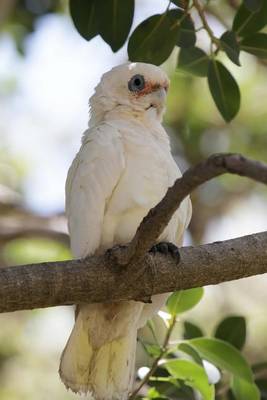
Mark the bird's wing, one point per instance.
(91, 179)
(184, 214)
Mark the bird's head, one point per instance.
(136, 88)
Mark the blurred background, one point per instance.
(47, 74)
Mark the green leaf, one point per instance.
(34, 250)
(83, 14)
(154, 39)
(247, 22)
(153, 350)
(186, 33)
(115, 19)
(193, 60)
(224, 90)
(154, 394)
(244, 390)
(151, 326)
(184, 300)
(232, 330)
(224, 356)
(193, 375)
(230, 46)
(255, 44)
(252, 5)
(179, 3)
(191, 331)
(186, 348)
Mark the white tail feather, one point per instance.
(104, 369)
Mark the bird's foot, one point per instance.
(166, 248)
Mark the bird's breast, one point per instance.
(150, 170)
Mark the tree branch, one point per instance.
(138, 275)
(95, 279)
(158, 217)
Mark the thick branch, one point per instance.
(159, 216)
(95, 280)
(138, 274)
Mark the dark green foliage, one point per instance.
(232, 330)
(83, 13)
(112, 19)
(262, 385)
(186, 33)
(178, 3)
(247, 22)
(230, 46)
(115, 19)
(194, 60)
(154, 39)
(224, 90)
(191, 331)
(252, 5)
(255, 44)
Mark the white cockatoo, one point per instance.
(123, 169)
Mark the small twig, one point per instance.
(206, 26)
(154, 366)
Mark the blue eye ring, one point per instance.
(136, 83)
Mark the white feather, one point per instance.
(123, 169)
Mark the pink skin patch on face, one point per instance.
(151, 87)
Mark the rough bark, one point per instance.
(130, 272)
(159, 216)
(96, 279)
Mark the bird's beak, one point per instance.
(161, 94)
(159, 99)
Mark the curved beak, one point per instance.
(161, 94)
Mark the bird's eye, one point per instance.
(136, 83)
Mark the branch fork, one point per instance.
(105, 278)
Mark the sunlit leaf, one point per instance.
(33, 250)
(193, 375)
(232, 330)
(153, 350)
(224, 356)
(154, 39)
(255, 44)
(191, 351)
(154, 394)
(193, 60)
(115, 19)
(184, 300)
(244, 390)
(224, 90)
(83, 13)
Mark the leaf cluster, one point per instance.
(212, 366)
(155, 38)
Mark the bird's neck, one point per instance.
(151, 117)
